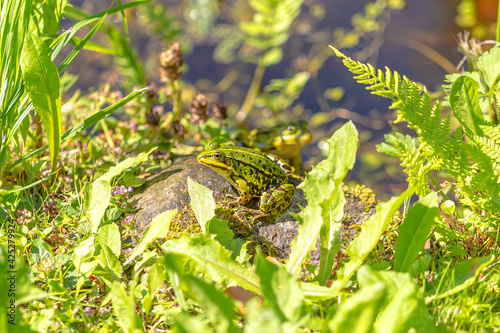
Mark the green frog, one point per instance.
(284, 140)
(253, 174)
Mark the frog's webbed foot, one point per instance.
(241, 200)
(236, 199)
(255, 212)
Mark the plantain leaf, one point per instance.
(109, 235)
(202, 253)
(321, 189)
(97, 197)
(464, 101)
(202, 203)
(124, 308)
(158, 228)
(414, 231)
(41, 80)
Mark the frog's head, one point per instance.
(295, 134)
(216, 159)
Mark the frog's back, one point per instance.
(262, 166)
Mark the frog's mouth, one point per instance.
(209, 161)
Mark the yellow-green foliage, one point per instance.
(473, 163)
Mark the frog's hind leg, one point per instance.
(276, 199)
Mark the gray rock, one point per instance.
(168, 190)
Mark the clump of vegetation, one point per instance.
(73, 260)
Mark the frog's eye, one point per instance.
(217, 155)
(213, 145)
(290, 128)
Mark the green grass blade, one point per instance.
(80, 46)
(124, 19)
(41, 80)
(85, 124)
(77, 15)
(498, 24)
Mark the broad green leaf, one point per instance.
(224, 235)
(321, 188)
(396, 315)
(359, 312)
(387, 301)
(125, 164)
(50, 15)
(314, 292)
(260, 319)
(158, 228)
(41, 81)
(368, 238)
(156, 278)
(83, 252)
(109, 235)
(124, 307)
(202, 253)
(202, 202)
(280, 289)
(403, 307)
(40, 250)
(97, 198)
(448, 207)
(218, 307)
(110, 261)
(464, 102)
(489, 66)
(187, 323)
(414, 231)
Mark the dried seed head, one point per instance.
(199, 108)
(177, 129)
(170, 63)
(154, 115)
(219, 111)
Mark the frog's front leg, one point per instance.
(276, 199)
(244, 191)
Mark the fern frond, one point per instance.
(417, 159)
(414, 104)
(490, 144)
